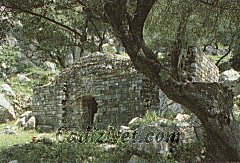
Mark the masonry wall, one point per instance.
(119, 91)
(119, 99)
(48, 106)
(199, 67)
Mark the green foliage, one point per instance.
(8, 54)
(189, 152)
(199, 24)
(1, 81)
(39, 75)
(214, 58)
(47, 149)
(56, 27)
(170, 115)
(60, 152)
(25, 88)
(150, 117)
(9, 140)
(65, 151)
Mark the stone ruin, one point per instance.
(105, 89)
(199, 67)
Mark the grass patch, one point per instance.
(57, 151)
(14, 147)
(25, 88)
(8, 140)
(217, 57)
(61, 152)
(21, 136)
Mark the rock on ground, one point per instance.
(31, 123)
(231, 79)
(136, 159)
(7, 112)
(6, 89)
(135, 122)
(182, 117)
(13, 161)
(22, 78)
(163, 137)
(24, 118)
(50, 66)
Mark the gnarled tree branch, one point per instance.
(229, 50)
(44, 17)
(140, 15)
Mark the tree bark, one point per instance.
(210, 102)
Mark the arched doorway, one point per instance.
(89, 105)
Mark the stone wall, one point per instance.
(108, 81)
(199, 67)
(48, 104)
(105, 89)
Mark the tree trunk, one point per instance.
(210, 102)
(236, 61)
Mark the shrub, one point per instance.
(150, 117)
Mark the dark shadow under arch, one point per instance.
(89, 104)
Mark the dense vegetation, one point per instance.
(55, 28)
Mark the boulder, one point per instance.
(210, 50)
(6, 89)
(168, 108)
(45, 140)
(68, 59)
(26, 102)
(135, 122)
(135, 159)
(23, 79)
(109, 48)
(26, 115)
(24, 61)
(50, 66)
(188, 133)
(152, 138)
(182, 117)
(9, 130)
(31, 123)
(13, 161)
(163, 137)
(7, 112)
(108, 147)
(229, 75)
(123, 129)
(231, 79)
(24, 118)
(4, 67)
